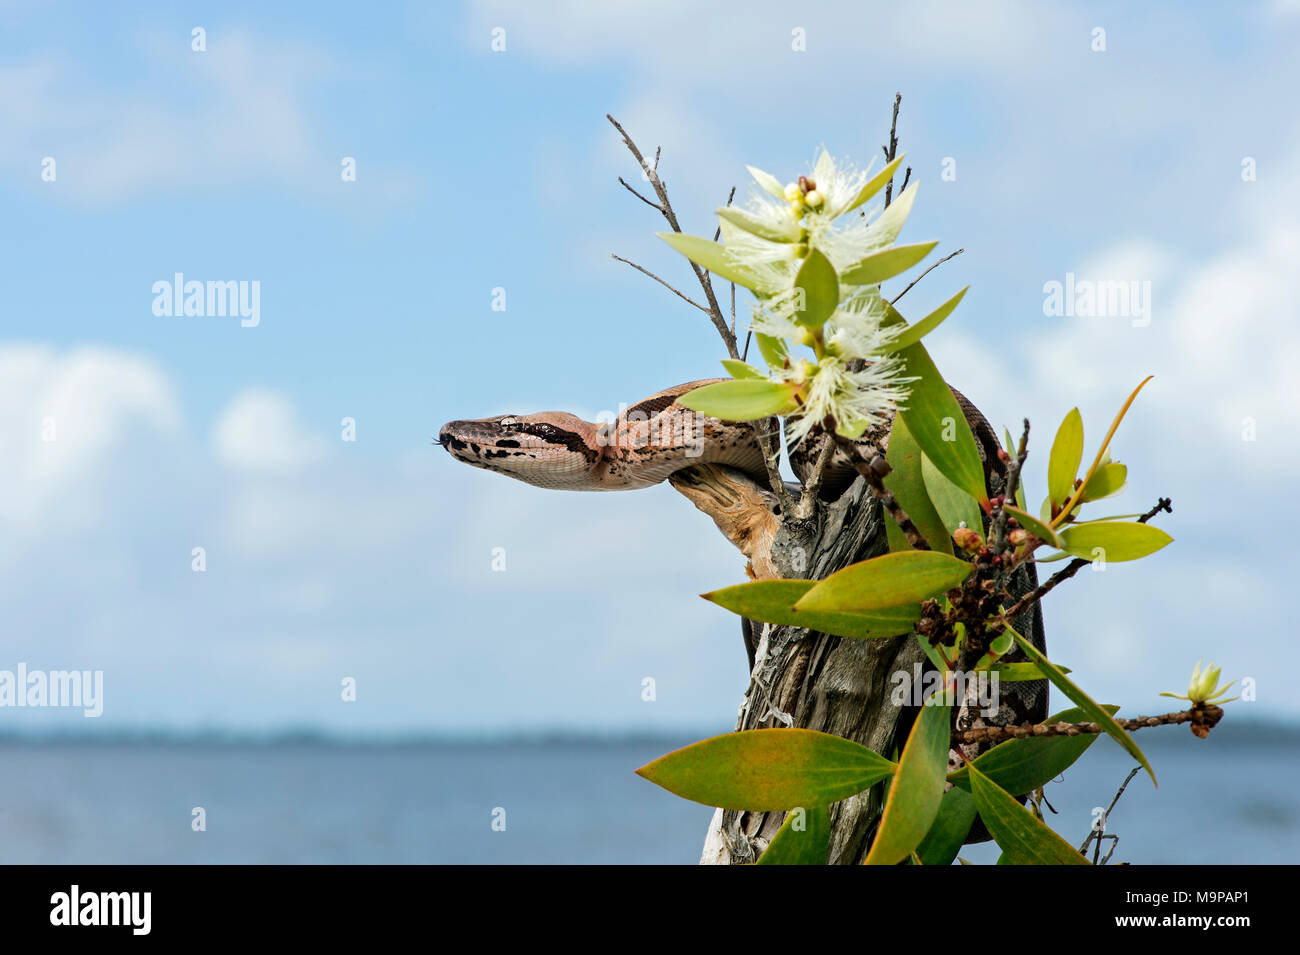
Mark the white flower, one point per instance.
(857, 400)
(807, 216)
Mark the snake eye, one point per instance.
(508, 424)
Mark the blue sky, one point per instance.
(479, 169)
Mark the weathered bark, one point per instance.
(834, 684)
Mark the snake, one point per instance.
(649, 442)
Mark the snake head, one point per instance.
(551, 449)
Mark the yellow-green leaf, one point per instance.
(925, 326)
(739, 369)
(1116, 540)
(939, 426)
(819, 288)
(891, 580)
(954, 505)
(713, 257)
(917, 788)
(769, 769)
(1106, 481)
(1067, 453)
(803, 839)
(1021, 837)
(907, 483)
(885, 263)
(890, 222)
(774, 350)
(1034, 526)
(874, 185)
(773, 601)
(743, 400)
(755, 226)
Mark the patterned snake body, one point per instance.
(646, 444)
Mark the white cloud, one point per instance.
(259, 432)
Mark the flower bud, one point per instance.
(967, 539)
(1017, 537)
(815, 198)
(792, 192)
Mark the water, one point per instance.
(1229, 799)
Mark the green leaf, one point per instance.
(1067, 453)
(907, 483)
(1022, 765)
(820, 289)
(1106, 481)
(950, 829)
(954, 505)
(807, 846)
(936, 421)
(774, 350)
(1092, 711)
(755, 226)
(739, 369)
(890, 222)
(917, 788)
(772, 601)
(1119, 540)
(713, 257)
(873, 185)
(744, 400)
(769, 769)
(1034, 526)
(885, 263)
(1021, 837)
(768, 182)
(891, 580)
(1018, 672)
(926, 325)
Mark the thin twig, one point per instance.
(666, 209)
(718, 232)
(892, 150)
(950, 255)
(1097, 833)
(653, 205)
(683, 297)
(998, 530)
(1204, 715)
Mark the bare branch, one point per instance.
(670, 288)
(652, 205)
(1207, 716)
(891, 152)
(769, 441)
(950, 255)
(665, 208)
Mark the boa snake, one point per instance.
(648, 443)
